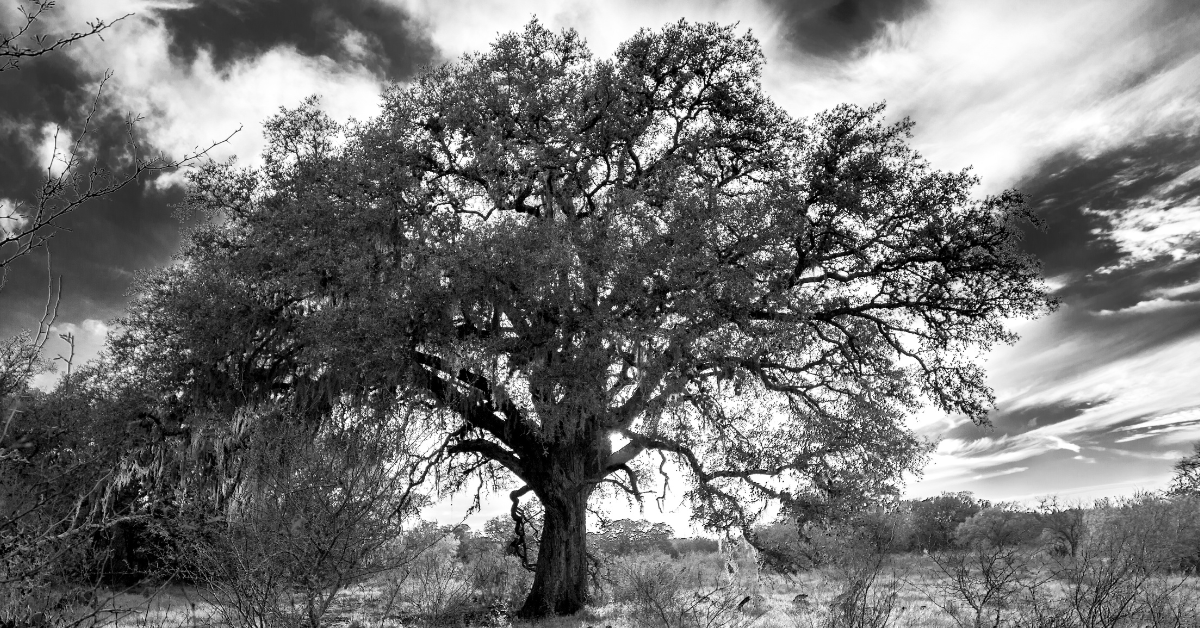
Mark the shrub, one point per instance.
(664, 594)
(979, 585)
(311, 521)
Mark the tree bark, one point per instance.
(560, 578)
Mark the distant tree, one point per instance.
(1063, 525)
(471, 545)
(1187, 474)
(572, 264)
(935, 520)
(623, 537)
(998, 527)
(696, 545)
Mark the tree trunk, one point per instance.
(560, 579)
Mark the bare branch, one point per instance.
(22, 43)
(72, 187)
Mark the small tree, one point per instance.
(1063, 525)
(1186, 480)
(999, 527)
(313, 519)
(936, 520)
(980, 580)
(66, 475)
(577, 264)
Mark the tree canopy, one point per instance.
(1186, 480)
(579, 270)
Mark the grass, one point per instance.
(773, 605)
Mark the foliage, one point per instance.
(792, 545)
(1186, 480)
(624, 537)
(551, 251)
(935, 520)
(67, 480)
(1063, 525)
(1002, 526)
(314, 519)
(672, 594)
(697, 545)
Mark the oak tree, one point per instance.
(582, 270)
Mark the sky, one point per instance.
(1092, 108)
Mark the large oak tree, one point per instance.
(582, 269)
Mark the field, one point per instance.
(697, 590)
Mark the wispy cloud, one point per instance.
(1092, 106)
(996, 474)
(1003, 85)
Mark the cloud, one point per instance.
(956, 457)
(996, 474)
(837, 28)
(89, 336)
(11, 218)
(379, 36)
(1142, 307)
(184, 107)
(1004, 85)
(1122, 377)
(1186, 289)
(1182, 417)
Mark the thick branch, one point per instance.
(491, 451)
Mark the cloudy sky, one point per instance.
(1092, 107)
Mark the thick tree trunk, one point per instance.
(560, 581)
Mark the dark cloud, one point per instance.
(99, 247)
(232, 30)
(1013, 422)
(97, 255)
(1078, 197)
(104, 242)
(107, 241)
(835, 28)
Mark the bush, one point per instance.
(63, 465)
(867, 578)
(979, 585)
(661, 593)
(313, 519)
(1127, 544)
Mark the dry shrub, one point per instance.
(434, 585)
(499, 579)
(979, 586)
(431, 585)
(864, 573)
(309, 525)
(1126, 548)
(661, 593)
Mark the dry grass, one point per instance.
(774, 605)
